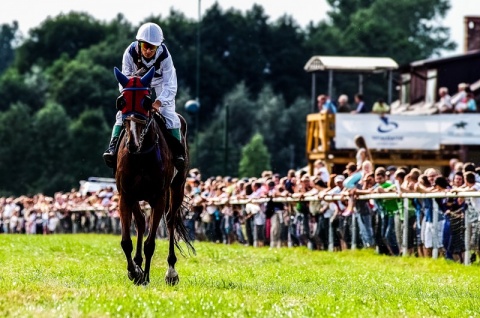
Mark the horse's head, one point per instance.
(135, 104)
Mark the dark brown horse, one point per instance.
(145, 172)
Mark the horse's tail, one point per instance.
(178, 182)
(181, 232)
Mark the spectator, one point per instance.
(444, 104)
(452, 163)
(391, 173)
(337, 220)
(389, 208)
(363, 153)
(325, 105)
(320, 170)
(431, 206)
(343, 106)
(469, 167)
(471, 103)
(459, 99)
(364, 210)
(457, 180)
(360, 107)
(380, 107)
(453, 209)
(473, 213)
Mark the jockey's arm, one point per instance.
(166, 86)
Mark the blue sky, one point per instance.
(31, 13)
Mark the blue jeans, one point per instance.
(365, 227)
(388, 233)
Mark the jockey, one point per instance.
(149, 51)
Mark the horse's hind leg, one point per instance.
(149, 246)
(140, 226)
(134, 271)
(171, 277)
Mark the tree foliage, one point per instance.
(16, 138)
(88, 138)
(255, 158)
(64, 34)
(8, 34)
(50, 149)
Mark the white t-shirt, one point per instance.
(332, 205)
(258, 216)
(323, 174)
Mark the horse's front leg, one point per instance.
(158, 210)
(140, 226)
(135, 273)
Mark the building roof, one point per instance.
(350, 64)
(442, 60)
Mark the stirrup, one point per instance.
(109, 158)
(179, 162)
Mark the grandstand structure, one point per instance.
(413, 133)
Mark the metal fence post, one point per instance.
(405, 227)
(435, 230)
(353, 230)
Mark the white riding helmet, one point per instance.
(150, 33)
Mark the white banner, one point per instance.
(461, 129)
(426, 132)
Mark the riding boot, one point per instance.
(178, 149)
(110, 154)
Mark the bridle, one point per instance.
(147, 122)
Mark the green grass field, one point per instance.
(85, 276)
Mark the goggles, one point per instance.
(148, 46)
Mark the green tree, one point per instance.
(283, 129)
(89, 138)
(211, 144)
(63, 34)
(84, 86)
(255, 158)
(49, 170)
(16, 138)
(29, 89)
(8, 34)
(404, 30)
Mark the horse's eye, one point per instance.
(147, 103)
(121, 102)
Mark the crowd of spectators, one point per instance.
(326, 105)
(463, 101)
(69, 212)
(226, 210)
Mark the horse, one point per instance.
(145, 172)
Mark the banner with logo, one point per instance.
(425, 132)
(387, 132)
(461, 129)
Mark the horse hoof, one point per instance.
(171, 277)
(172, 281)
(137, 276)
